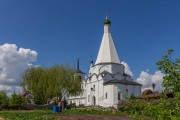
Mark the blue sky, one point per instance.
(61, 30)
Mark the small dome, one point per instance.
(147, 92)
(107, 21)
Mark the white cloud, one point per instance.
(147, 79)
(13, 62)
(127, 69)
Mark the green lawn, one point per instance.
(45, 114)
(26, 115)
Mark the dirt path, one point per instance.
(90, 117)
(1, 118)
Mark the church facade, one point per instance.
(107, 83)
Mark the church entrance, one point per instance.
(94, 100)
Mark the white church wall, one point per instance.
(94, 78)
(96, 92)
(77, 100)
(107, 77)
(117, 68)
(122, 88)
(134, 89)
(137, 90)
(104, 68)
(108, 95)
(88, 90)
(101, 92)
(118, 76)
(128, 90)
(100, 77)
(116, 91)
(95, 69)
(92, 88)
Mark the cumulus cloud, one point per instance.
(147, 79)
(127, 69)
(13, 62)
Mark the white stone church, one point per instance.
(107, 83)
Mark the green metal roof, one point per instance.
(107, 21)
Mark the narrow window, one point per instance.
(106, 95)
(91, 89)
(119, 98)
(119, 95)
(127, 91)
(94, 87)
(88, 97)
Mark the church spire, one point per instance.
(107, 52)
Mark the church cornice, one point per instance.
(107, 63)
(102, 74)
(123, 81)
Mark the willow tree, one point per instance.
(46, 83)
(34, 80)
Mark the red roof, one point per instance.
(24, 93)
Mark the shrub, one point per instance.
(158, 109)
(70, 106)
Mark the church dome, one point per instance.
(147, 92)
(107, 21)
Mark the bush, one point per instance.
(72, 105)
(158, 109)
(3, 99)
(91, 110)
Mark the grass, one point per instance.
(92, 111)
(45, 114)
(26, 115)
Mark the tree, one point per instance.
(171, 69)
(46, 83)
(3, 99)
(15, 100)
(34, 81)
